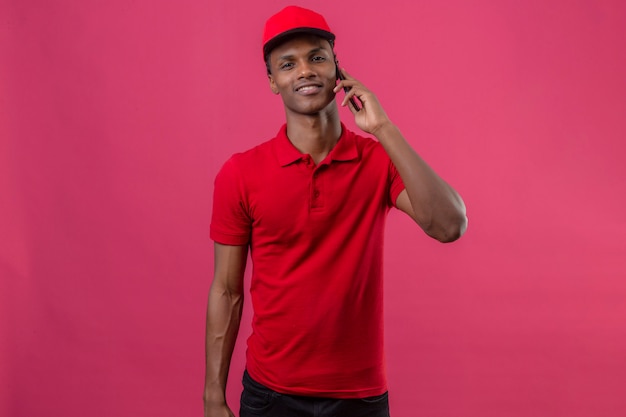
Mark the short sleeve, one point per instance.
(230, 222)
(396, 186)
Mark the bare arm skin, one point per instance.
(434, 205)
(222, 325)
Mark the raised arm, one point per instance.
(434, 205)
(222, 325)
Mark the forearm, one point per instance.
(222, 326)
(436, 206)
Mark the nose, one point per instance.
(305, 70)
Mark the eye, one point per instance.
(318, 58)
(286, 66)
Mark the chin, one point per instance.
(312, 108)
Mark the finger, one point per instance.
(346, 98)
(345, 85)
(353, 110)
(354, 92)
(353, 101)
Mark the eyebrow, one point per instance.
(290, 56)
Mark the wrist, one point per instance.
(384, 130)
(214, 402)
(214, 396)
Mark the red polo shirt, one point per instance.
(316, 243)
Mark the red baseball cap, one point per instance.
(292, 20)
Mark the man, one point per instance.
(311, 205)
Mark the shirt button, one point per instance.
(316, 193)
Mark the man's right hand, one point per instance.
(217, 410)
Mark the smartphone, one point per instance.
(353, 100)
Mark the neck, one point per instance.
(315, 135)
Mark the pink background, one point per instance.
(116, 115)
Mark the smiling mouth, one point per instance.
(308, 89)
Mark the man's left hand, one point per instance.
(371, 117)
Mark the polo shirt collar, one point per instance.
(344, 150)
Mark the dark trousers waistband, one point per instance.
(258, 400)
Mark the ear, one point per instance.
(272, 84)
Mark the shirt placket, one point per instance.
(316, 188)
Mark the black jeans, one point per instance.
(260, 401)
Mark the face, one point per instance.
(303, 73)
